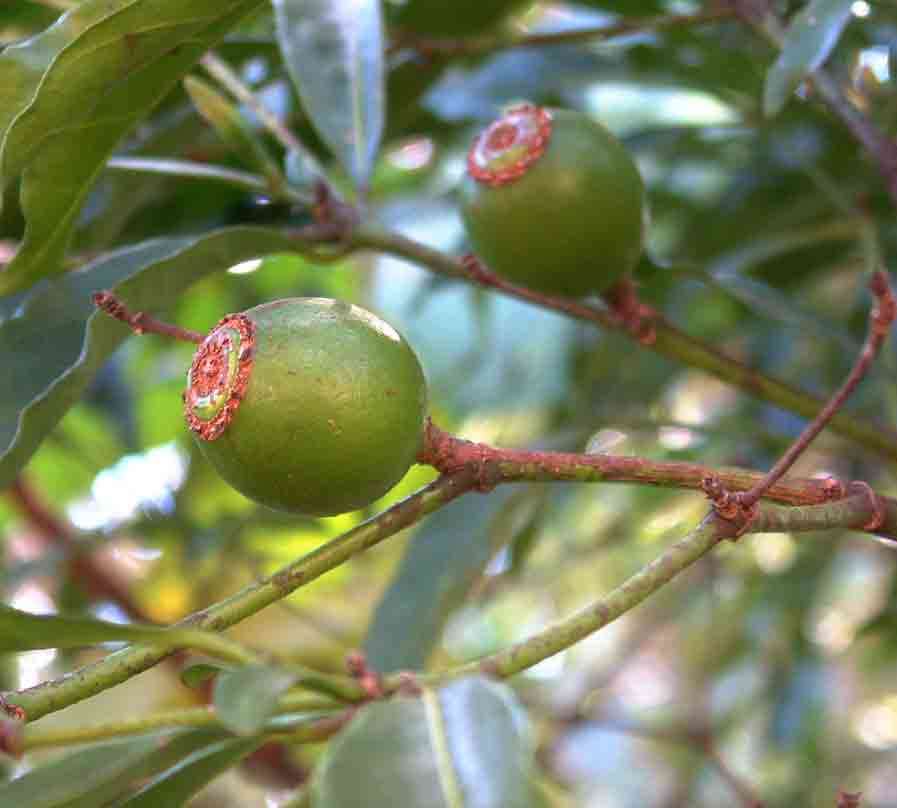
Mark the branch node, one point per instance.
(634, 316)
(448, 454)
(885, 311)
(833, 489)
(11, 710)
(408, 685)
(370, 681)
(476, 270)
(879, 513)
(729, 505)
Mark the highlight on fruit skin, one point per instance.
(307, 405)
(553, 201)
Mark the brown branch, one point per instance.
(140, 322)
(492, 466)
(98, 582)
(471, 46)
(848, 799)
(740, 507)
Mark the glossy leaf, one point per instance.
(56, 344)
(809, 40)
(463, 745)
(192, 774)
(444, 559)
(333, 50)
(81, 86)
(247, 697)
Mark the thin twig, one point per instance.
(644, 583)
(471, 46)
(669, 341)
(739, 507)
(120, 666)
(140, 322)
(881, 318)
(494, 465)
(83, 568)
(219, 70)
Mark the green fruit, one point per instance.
(553, 201)
(307, 405)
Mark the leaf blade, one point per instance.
(442, 561)
(809, 40)
(464, 744)
(100, 72)
(333, 50)
(192, 774)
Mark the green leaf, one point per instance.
(463, 745)
(74, 776)
(78, 88)
(52, 349)
(23, 631)
(443, 560)
(810, 38)
(177, 785)
(247, 697)
(333, 50)
(98, 774)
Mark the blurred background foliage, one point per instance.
(762, 235)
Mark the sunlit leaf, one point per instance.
(810, 38)
(333, 50)
(80, 87)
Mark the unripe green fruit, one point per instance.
(308, 405)
(553, 201)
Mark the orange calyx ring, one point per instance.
(505, 150)
(219, 376)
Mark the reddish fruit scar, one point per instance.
(219, 376)
(502, 136)
(510, 145)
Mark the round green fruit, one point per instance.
(553, 201)
(307, 405)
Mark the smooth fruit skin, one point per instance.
(572, 223)
(333, 412)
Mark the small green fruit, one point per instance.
(307, 405)
(553, 201)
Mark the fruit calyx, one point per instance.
(219, 376)
(505, 150)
